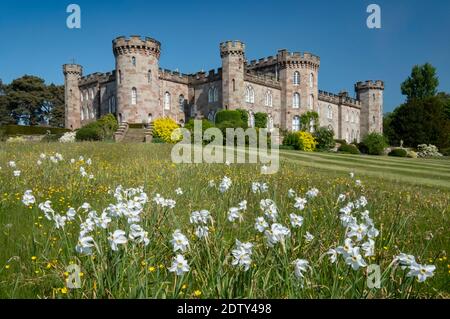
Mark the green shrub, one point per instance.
(445, 151)
(90, 132)
(244, 115)
(233, 118)
(324, 138)
(376, 143)
(12, 130)
(291, 139)
(286, 147)
(52, 137)
(158, 140)
(362, 148)
(205, 125)
(348, 149)
(108, 125)
(342, 142)
(398, 152)
(260, 120)
(303, 141)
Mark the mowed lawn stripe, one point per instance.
(443, 166)
(366, 170)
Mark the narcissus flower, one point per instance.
(179, 241)
(179, 265)
(117, 238)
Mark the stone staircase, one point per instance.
(127, 134)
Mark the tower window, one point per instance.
(86, 95)
(269, 98)
(120, 76)
(167, 101)
(311, 80)
(249, 95)
(296, 123)
(149, 76)
(234, 85)
(210, 95)
(296, 101)
(251, 119)
(133, 61)
(374, 120)
(373, 97)
(92, 93)
(216, 95)
(296, 78)
(81, 96)
(330, 112)
(82, 114)
(133, 96)
(311, 102)
(181, 103)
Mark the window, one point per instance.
(110, 106)
(167, 101)
(234, 85)
(311, 102)
(269, 123)
(181, 103)
(92, 93)
(120, 76)
(352, 119)
(296, 123)
(216, 94)
(133, 96)
(82, 113)
(374, 120)
(251, 120)
(373, 97)
(211, 95)
(311, 80)
(211, 116)
(296, 101)
(330, 112)
(86, 95)
(249, 95)
(346, 116)
(133, 61)
(92, 113)
(311, 126)
(296, 78)
(113, 104)
(347, 136)
(353, 136)
(269, 98)
(81, 95)
(149, 76)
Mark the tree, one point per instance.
(55, 105)
(422, 83)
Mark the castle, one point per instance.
(283, 86)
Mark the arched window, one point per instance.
(311, 126)
(149, 76)
(233, 82)
(167, 101)
(81, 96)
(249, 95)
(269, 123)
(82, 114)
(92, 113)
(311, 102)
(330, 112)
(133, 61)
(347, 137)
(296, 78)
(92, 93)
(211, 116)
(251, 120)
(346, 116)
(373, 97)
(353, 136)
(181, 103)
(120, 76)
(133, 96)
(296, 100)
(269, 98)
(296, 123)
(216, 94)
(374, 120)
(86, 95)
(211, 95)
(113, 104)
(311, 80)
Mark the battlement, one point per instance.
(378, 85)
(286, 58)
(203, 77)
(232, 48)
(97, 77)
(173, 76)
(261, 63)
(72, 69)
(341, 98)
(263, 79)
(136, 44)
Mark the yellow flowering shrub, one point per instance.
(163, 128)
(306, 141)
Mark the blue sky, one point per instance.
(35, 39)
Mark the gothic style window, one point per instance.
(211, 95)
(149, 76)
(81, 95)
(311, 80)
(269, 98)
(296, 101)
(181, 103)
(234, 85)
(133, 96)
(251, 120)
(82, 113)
(311, 102)
(216, 94)
(167, 101)
(296, 123)
(296, 78)
(330, 112)
(269, 123)
(120, 76)
(374, 120)
(133, 61)
(86, 95)
(311, 126)
(92, 93)
(249, 95)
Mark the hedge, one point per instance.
(261, 120)
(398, 152)
(348, 149)
(228, 116)
(31, 130)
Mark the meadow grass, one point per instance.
(408, 200)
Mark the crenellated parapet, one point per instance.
(342, 98)
(136, 45)
(369, 85)
(203, 77)
(173, 76)
(262, 79)
(297, 60)
(235, 48)
(73, 69)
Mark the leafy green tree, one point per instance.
(375, 143)
(422, 82)
(325, 138)
(55, 105)
(261, 120)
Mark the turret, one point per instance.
(233, 57)
(72, 95)
(370, 93)
(137, 78)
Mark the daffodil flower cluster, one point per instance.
(421, 272)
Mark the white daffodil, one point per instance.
(276, 234)
(38, 162)
(355, 259)
(352, 174)
(225, 184)
(202, 231)
(179, 191)
(242, 205)
(369, 248)
(313, 192)
(138, 235)
(358, 182)
(242, 255)
(247, 247)
(341, 197)
(179, 265)
(358, 231)
(346, 249)
(296, 221)
(300, 203)
(269, 208)
(71, 212)
(422, 272)
(89, 161)
(179, 241)
(405, 260)
(47, 209)
(85, 245)
(308, 237)
(333, 255)
(72, 161)
(86, 206)
(291, 193)
(261, 224)
(12, 164)
(211, 183)
(28, 198)
(104, 220)
(17, 173)
(234, 213)
(60, 221)
(300, 267)
(42, 156)
(117, 238)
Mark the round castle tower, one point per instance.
(72, 95)
(370, 93)
(233, 57)
(137, 68)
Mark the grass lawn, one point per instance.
(408, 200)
